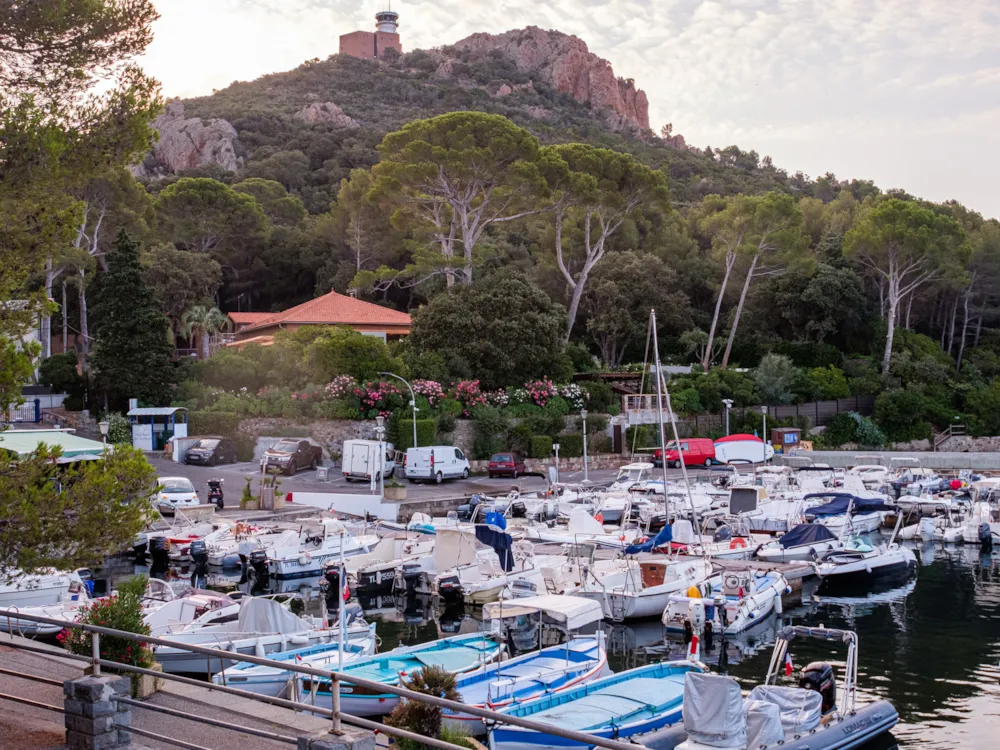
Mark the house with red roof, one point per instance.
(329, 310)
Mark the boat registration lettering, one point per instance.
(864, 723)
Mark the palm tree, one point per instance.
(204, 321)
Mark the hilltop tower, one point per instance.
(371, 45)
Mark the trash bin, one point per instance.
(322, 474)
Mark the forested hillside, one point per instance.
(414, 181)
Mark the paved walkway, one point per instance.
(25, 727)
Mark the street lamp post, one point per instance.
(104, 426)
(763, 410)
(380, 476)
(583, 416)
(413, 401)
(729, 405)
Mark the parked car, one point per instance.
(292, 454)
(503, 464)
(435, 463)
(697, 452)
(361, 459)
(174, 493)
(210, 451)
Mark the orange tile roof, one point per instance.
(249, 317)
(334, 309)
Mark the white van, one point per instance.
(434, 463)
(361, 460)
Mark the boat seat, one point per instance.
(801, 709)
(451, 660)
(589, 712)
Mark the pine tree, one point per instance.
(132, 357)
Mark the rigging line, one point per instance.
(642, 385)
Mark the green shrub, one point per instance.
(426, 433)
(596, 424)
(984, 405)
(490, 431)
(839, 430)
(336, 408)
(638, 436)
(520, 438)
(900, 414)
(59, 373)
(686, 401)
(119, 429)
(520, 411)
(220, 423)
(244, 447)
(830, 382)
(541, 446)
(601, 396)
(556, 406)
(446, 423)
(450, 407)
(600, 444)
(484, 446)
(774, 378)
(570, 445)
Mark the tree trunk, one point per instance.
(979, 330)
(739, 311)
(706, 359)
(890, 332)
(951, 326)
(944, 321)
(46, 322)
(65, 313)
(574, 301)
(909, 306)
(204, 344)
(881, 299)
(84, 330)
(965, 326)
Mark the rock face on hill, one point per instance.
(326, 113)
(567, 64)
(187, 143)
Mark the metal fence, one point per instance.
(337, 717)
(29, 411)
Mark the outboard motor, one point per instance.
(331, 588)
(199, 556)
(819, 676)
(159, 549)
(257, 573)
(985, 537)
(518, 509)
(465, 511)
(412, 574)
(450, 589)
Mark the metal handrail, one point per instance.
(334, 677)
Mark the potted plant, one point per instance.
(269, 490)
(247, 499)
(395, 491)
(122, 610)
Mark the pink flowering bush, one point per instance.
(540, 391)
(341, 386)
(380, 398)
(467, 393)
(498, 398)
(575, 395)
(429, 389)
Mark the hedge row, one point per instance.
(426, 433)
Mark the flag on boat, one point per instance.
(788, 665)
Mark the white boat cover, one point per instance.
(801, 709)
(763, 723)
(570, 612)
(713, 710)
(454, 547)
(259, 615)
(683, 531)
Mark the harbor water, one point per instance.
(930, 645)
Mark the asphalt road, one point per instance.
(305, 481)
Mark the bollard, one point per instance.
(335, 693)
(95, 651)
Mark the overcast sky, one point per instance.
(904, 92)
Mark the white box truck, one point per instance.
(361, 460)
(435, 463)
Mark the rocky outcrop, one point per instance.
(326, 113)
(565, 63)
(187, 143)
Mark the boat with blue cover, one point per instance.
(807, 541)
(622, 706)
(463, 653)
(527, 677)
(272, 680)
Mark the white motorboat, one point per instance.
(630, 588)
(732, 602)
(314, 547)
(191, 610)
(807, 717)
(582, 528)
(275, 681)
(861, 562)
(843, 511)
(263, 626)
(807, 541)
(374, 573)
(45, 588)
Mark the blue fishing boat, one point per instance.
(464, 653)
(622, 706)
(527, 677)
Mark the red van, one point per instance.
(697, 452)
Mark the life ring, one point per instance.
(737, 542)
(599, 518)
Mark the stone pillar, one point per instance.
(95, 719)
(351, 738)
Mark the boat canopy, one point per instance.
(842, 501)
(806, 533)
(569, 612)
(260, 615)
(664, 536)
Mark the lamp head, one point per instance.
(103, 426)
(583, 413)
(380, 421)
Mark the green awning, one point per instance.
(25, 442)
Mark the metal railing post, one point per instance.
(335, 694)
(95, 652)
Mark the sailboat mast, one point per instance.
(659, 417)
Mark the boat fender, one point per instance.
(258, 649)
(737, 542)
(868, 568)
(777, 603)
(304, 559)
(298, 640)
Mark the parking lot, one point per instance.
(234, 476)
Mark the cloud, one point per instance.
(859, 88)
